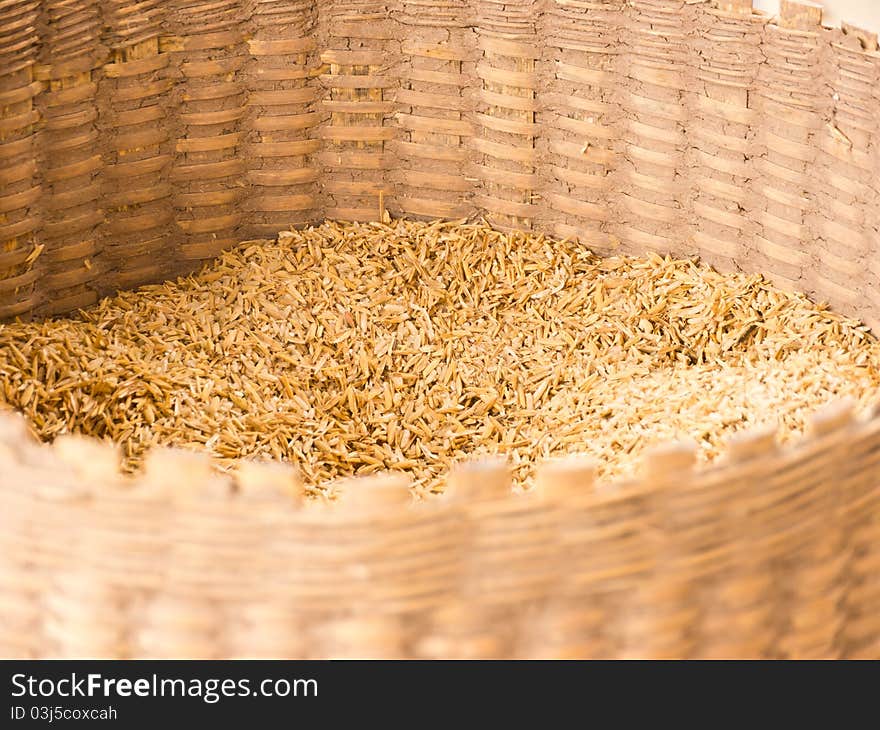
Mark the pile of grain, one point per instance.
(349, 349)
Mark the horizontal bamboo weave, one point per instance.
(138, 140)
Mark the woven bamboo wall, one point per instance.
(140, 139)
(772, 553)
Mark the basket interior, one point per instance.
(139, 140)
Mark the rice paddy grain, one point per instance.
(356, 348)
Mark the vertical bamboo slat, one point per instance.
(20, 219)
(84, 613)
(818, 578)
(137, 117)
(70, 150)
(861, 524)
(283, 89)
(579, 103)
(845, 194)
(737, 614)
(207, 43)
(726, 66)
(788, 101)
(360, 80)
(432, 174)
(657, 70)
(509, 50)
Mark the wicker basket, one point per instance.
(139, 139)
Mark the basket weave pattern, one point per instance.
(771, 553)
(138, 140)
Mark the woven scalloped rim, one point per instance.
(686, 554)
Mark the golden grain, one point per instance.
(354, 348)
